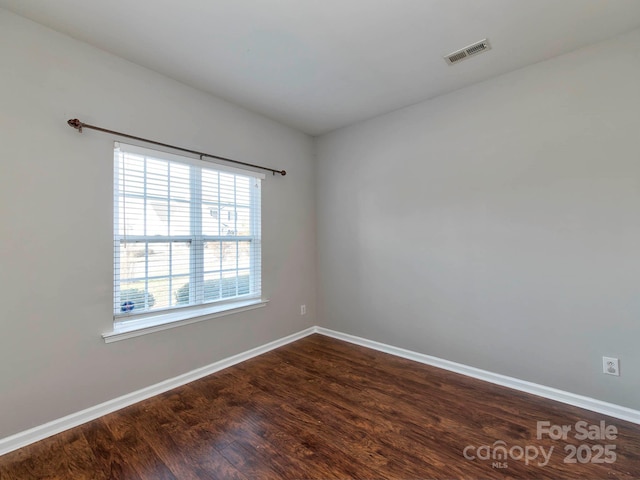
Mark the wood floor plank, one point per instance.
(109, 458)
(124, 434)
(321, 408)
(166, 434)
(67, 455)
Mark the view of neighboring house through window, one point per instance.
(187, 232)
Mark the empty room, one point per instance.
(284, 239)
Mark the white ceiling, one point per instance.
(319, 65)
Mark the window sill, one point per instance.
(166, 321)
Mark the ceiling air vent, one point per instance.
(468, 51)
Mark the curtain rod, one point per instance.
(78, 125)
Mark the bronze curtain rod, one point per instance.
(78, 125)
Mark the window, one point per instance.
(186, 234)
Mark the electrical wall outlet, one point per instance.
(303, 309)
(611, 366)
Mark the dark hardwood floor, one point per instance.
(324, 409)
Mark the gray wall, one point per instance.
(497, 226)
(56, 224)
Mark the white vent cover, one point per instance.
(468, 51)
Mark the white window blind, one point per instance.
(186, 233)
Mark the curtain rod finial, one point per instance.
(283, 173)
(75, 123)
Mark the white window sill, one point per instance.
(165, 321)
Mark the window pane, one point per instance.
(229, 285)
(179, 181)
(212, 257)
(228, 221)
(180, 290)
(134, 298)
(211, 219)
(243, 191)
(212, 287)
(220, 286)
(229, 255)
(131, 174)
(243, 225)
(227, 185)
(131, 214)
(159, 255)
(159, 292)
(180, 223)
(157, 217)
(244, 255)
(157, 178)
(162, 264)
(132, 261)
(209, 186)
(243, 282)
(181, 258)
(218, 220)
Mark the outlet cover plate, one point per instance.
(611, 366)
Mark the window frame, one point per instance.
(128, 323)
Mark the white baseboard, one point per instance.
(592, 404)
(41, 432)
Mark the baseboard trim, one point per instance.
(588, 403)
(22, 439)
